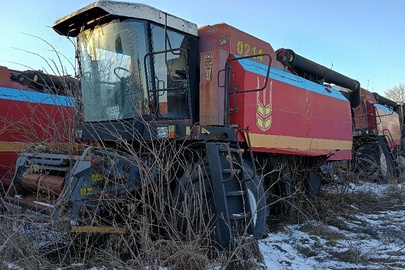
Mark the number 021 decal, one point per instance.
(245, 49)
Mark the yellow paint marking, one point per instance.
(13, 146)
(290, 142)
(204, 130)
(395, 137)
(20, 146)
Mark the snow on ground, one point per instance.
(369, 240)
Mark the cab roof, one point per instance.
(96, 12)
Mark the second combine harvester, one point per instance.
(245, 121)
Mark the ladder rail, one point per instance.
(228, 176)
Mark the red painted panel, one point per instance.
(211, 95)
(284, 118)
(219, 41)
(32, 122)
(295, 111)
(23, 124)
(368, 117)
(388, 125)
(360, 112)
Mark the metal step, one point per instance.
(239, 216)
(235, 193)
(226, 165)
(234, 171)
(227, 149)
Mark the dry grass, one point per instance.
(160, 230)
(155, 239)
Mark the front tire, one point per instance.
(196, 208)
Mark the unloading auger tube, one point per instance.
(385, 101)
(302, 64)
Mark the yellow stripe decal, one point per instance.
(291, 142)
(395, 137)
(13, 146)
(20, 146)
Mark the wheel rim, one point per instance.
(253, 206)
(383, 164)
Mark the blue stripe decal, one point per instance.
(286, 77)
(383, 108)
(35, 97)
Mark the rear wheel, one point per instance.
(373, 162)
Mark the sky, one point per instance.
(362, 39)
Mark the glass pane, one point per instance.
(112, 70)
(170, 72)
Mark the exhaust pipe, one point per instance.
(296, 62)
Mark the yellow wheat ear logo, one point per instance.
(264, 107)
(263, 116)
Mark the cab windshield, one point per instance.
(128, 73)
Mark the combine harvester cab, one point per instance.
(77, 191)
(37, 109)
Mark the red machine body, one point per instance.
(290, 116)
(29, 114)
(373, 118)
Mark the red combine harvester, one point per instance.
(378, 123)
(378, 137)
(251, 123)
(35, 110)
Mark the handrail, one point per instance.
(227, 86)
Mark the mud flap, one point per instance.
(313, 185)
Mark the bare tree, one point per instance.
(396, 93)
